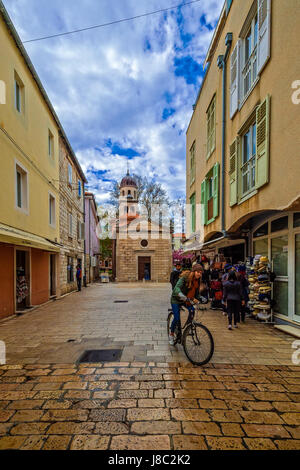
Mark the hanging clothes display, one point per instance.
(22, 288)
(260, 296)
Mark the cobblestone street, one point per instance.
(247, 397)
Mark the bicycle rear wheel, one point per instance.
(198, 343)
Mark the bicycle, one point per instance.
(196, 339)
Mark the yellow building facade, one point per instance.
(29, 190)
(242, 145)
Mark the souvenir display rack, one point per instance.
(260, 296)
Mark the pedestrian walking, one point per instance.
(241, 277)
(78, 277)
(175, 275)
(233, 298)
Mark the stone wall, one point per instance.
(129, 250)
(70, 202)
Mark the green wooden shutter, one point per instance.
(193, 210)
(203, 202)
(262, 143)
(216, 189)
(233, 169)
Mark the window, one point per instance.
(211, 127)
(51, 210)
(79, 188)
(70, 225)
(250, 53)
(193, 213)
(279, 224)
(144, 243)
(21, 188)
(69, 174)
(70, 276)
(248, 159)
(249, 69)
(192, 163)
(249, 155)
(210, 195)
(50, 144)
(260, 232)
(19, 94)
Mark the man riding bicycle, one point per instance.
(188, 288)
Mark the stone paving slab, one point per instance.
(156, 406)
(91, 320)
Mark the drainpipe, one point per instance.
(84, 243)
(221, 62)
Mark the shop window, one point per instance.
(296, 222)
(261, 231)
(279, 224)
(260, 247)
(281, 297)
(279, 250)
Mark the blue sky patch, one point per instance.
(167, 112)
(188, 68)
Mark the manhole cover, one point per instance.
(120, 301)
(101, 355)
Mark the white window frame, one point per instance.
(249, 66)
(19, 98)
(247, 167)
(19, 168)
(52, 220)
(70, 174)
(50, 144)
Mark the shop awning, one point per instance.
(217, 243)
(16, 236)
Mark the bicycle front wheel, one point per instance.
(198, 344)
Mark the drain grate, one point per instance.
(101, 355)
(120, 301)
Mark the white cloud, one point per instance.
(106, 84)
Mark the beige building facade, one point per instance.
(242, 145)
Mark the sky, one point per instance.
(123, 92)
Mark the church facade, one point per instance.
(142, 249)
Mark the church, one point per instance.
(142, 250)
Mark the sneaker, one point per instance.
(229, 327)
(235, 326)
(171, 340)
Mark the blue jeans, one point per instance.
(176, 312)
